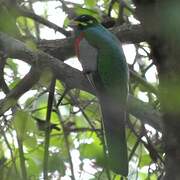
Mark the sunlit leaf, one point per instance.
(90, 3)
(16, 80)
(30, 142)
(31, 44)
(79, 10)
(8, 22)
(56, 163)
(23, 123)
(93, 150)
(24, 22)
(33, 168)
(145, 160)
(66, 22)
(13, 65)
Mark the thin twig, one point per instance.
(22, 158)
(48, 130)
(75, 101)
(37, 30)
(69, 11)
(3, 84)
(62, 96)
(135, 147)
(142, 81)
(148, 146)
(66, 139)
(27, 13)
(10, 150)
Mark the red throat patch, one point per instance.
(77, 43)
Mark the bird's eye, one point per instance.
(84, 17)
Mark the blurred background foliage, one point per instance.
(76, 146)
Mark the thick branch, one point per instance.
(23, 86)
(3, 84)
(64, 48)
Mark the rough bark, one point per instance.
(160, 19)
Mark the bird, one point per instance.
(104, 64)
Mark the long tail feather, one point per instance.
(114, 128)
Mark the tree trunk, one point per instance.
(160, 18)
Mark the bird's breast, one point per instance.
(86, 53)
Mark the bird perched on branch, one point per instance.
(104, 64)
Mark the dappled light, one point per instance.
(54, 108)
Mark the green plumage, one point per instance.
(112, 66)
(111, 83)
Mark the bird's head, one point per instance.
(84, 21)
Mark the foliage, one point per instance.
(76, 146)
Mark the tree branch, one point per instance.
(27, 13)
(48, 130)
(23, 86)
(64, 48)
(142, 81)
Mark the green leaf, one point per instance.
(1, 150)
(16, 80)
(29, 101)
(153, 177)
(8, 22)
(54, 118)
(20, 121)
(41, 104)
(85, 95)
(56, 163)
(23, 123)
(33, 168)
(145, 160)
(13, 65)
(127, 12)
(30, 142)
(132, 139)
(80, 10)
(57, 141)
(46, 77)
(90, 3)
(35, 161)
(59, 86)
(9, 103)
(93, 151)
(31, 44)
(37, 155)
(80, 121)
(142, 176)
(24, 22)
(66, 22)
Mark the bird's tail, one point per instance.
(115, 139)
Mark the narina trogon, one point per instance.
(104, 63)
